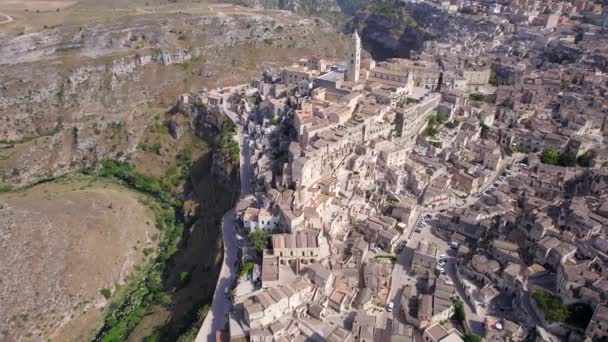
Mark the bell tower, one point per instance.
(354, 59)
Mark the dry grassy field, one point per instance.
(60, 245)
(35, 14)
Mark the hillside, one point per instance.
(61, 244)
(74, 92)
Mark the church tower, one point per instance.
(354, 59)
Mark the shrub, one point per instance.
(549, 156)
(567, 159)
(585, 159)
(247, 267)
(5, 188)
(459, 313)
(477, 97)
(184, 277)
(106, 293)
(163, 298)
(471, 338)
(392, 258)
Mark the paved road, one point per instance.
(220, 307)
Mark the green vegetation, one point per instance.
(577, 314)
(247, 267)
(551, 305)
(106, 293)
(431, 129)
(471, 338)
(152, 148)
(552, 157)
(5, 188)
(392, 258)
(227, 145)
(436, 119)
(549, 156)
(585, 159)
(478, 97)
(184, 278)
(160, 128)
(126, 312)
(260, 239)
(459, 313)
(137, 181)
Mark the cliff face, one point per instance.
(386, 39)
(72, 96)
(333, 10)
(390, 28)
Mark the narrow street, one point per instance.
(217, 317)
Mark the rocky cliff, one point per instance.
(335, 10)
(72, 96)
(389, 28)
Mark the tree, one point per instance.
(551, 305)
(549, 156)
(260, 239)
(585, 159)
(567, 159)
(471, 338)
(459, 313)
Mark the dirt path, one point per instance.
(5, 19)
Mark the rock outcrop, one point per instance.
(72, 96)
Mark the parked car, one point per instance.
(390, 307)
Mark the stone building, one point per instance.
(598, 327)
(425, 257)
(302, 246)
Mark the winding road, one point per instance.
(217, 317)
